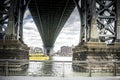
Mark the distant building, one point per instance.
(66, 51)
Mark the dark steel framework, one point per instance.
(106, 17)
(11, 14)
(101, 13)
(4, 9)
(104, 14)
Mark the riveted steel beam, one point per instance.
(106, 19)
(11, 18)
(82, 19)
(118, 21)
(4, 6)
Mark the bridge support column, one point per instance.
(95, 49)
(94, 37)
(82, 19)
(118, 21)
(11, 28)
(11, 47)
(48, 51)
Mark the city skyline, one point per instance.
(68, 36)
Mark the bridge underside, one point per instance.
(50, 16)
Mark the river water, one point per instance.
(60, 68)
(56, 67)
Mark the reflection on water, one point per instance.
(49, 68)
(59, 66)
(46, 69)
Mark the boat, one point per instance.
(38, 56)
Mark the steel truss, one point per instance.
(106, 18)
(11, 14)
(4, 9)
(104, 12)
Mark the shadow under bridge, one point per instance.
(50, 16)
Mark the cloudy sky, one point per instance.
(68, 36)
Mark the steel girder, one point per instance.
(4, 9)
(106, 19)
(104, 12)
(85, 11)
(11, 15)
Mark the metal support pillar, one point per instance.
(85, 12)
(11, 21)
(118, 21)
(93, 28)
(82, 26)
(22, 8)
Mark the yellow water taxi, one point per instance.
(38, 56)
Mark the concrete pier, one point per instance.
(13, 50)
(97, 51)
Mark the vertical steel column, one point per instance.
(11, 21)
(23, 6)
(18, 20)
(21, 15)
(15, 20)
(118, 21)
(87, 14)
(48, 50)
(81, 20)
(93, 28)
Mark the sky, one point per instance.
(68, 36)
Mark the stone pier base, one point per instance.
(13, 50)
(97, 51)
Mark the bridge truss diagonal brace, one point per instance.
(4, 6)
(98, 20)
(106, 20)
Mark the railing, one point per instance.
(59, 68)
